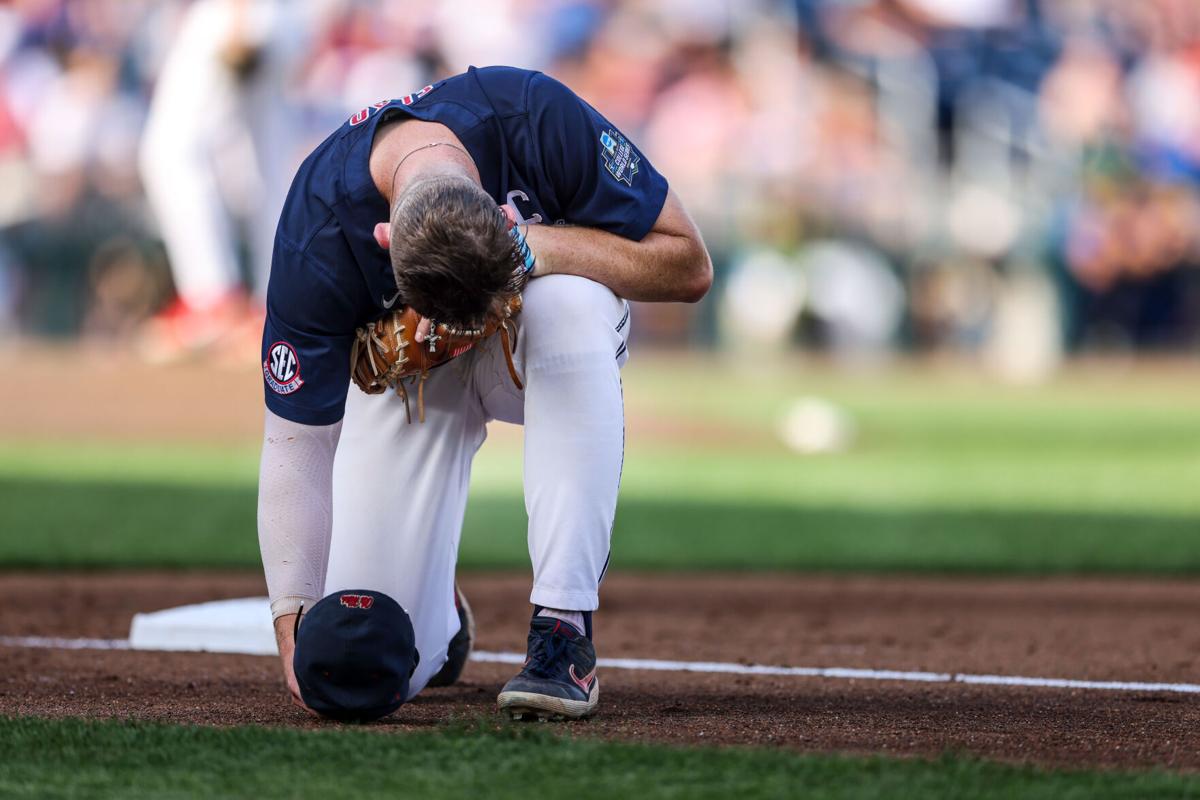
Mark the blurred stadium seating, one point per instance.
(1017, 180)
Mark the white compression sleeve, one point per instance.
(295, 489)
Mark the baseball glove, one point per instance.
(385, 352)
(242, 59)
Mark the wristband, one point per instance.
(525, 256)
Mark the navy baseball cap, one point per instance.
(355, 653)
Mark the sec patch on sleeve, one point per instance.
(281, 369)
(619, 157)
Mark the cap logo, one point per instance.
(363, 601)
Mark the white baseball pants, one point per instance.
(201, 119)
(400, 490)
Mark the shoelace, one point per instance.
(544, 653)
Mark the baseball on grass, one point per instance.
(814, 425)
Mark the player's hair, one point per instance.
(451, 251)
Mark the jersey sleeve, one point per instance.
(600, 178)
(306, 341)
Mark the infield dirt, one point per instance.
(1061, 628)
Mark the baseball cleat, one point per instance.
(460, 646)
(559, 678)
(181, 332)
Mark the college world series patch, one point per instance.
(281, 369)
(619, 158)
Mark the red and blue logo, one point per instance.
(363, 601)
(281, 369)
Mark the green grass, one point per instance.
(69, 759)
(947, 473)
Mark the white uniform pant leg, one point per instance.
(572, 343)
(192, 101)
(399, 494)
(274, 123)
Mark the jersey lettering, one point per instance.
(409, 99)
(513, 197)
(363, 114)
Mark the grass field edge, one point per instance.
(131, 756)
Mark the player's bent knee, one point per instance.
(570, 297)
(565, 316)
(568, 301)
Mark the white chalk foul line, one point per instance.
(844, 673)
(725, 668)
(51, 642)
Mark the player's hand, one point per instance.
(422, 329)
(284, 638)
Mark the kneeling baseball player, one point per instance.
(464, 254)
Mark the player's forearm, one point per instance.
(294, 500)
(659, 269)
(670, 264)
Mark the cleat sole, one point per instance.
(527, 706)
(534, 715)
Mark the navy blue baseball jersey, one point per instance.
(536, 144)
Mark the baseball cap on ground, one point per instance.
(355, 653)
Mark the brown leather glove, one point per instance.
(386, 351)
(241, 59)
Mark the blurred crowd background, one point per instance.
(1014, 180)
